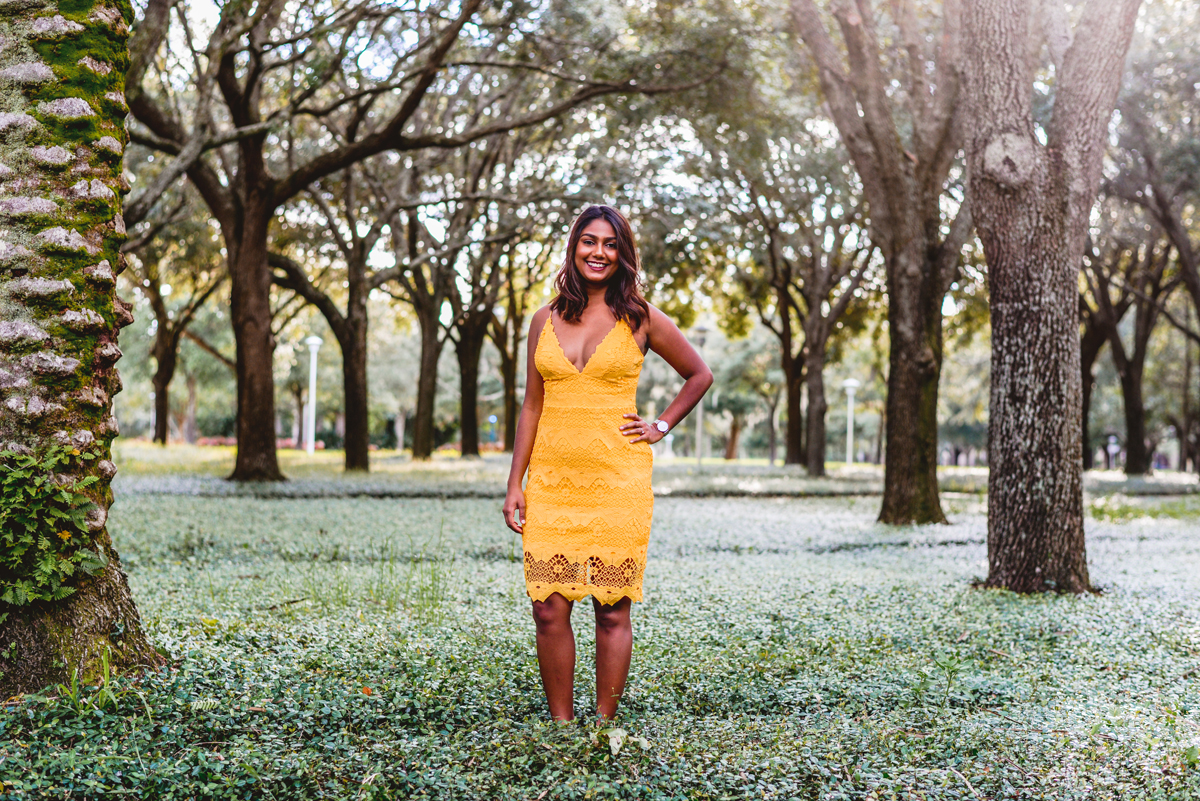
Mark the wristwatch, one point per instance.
(662, 426)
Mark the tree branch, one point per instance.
(210, 349)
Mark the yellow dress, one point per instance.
(588, 499)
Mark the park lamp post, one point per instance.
(700, 332)
(310, 409)
(851, 386)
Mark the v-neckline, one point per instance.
(567, 359)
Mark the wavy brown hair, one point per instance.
(624, 292)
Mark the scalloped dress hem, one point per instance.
(575, 592)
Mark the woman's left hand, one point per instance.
(642, 430)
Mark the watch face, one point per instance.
(661, 425)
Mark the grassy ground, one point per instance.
(364, 647)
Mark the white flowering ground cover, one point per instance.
(365, 647)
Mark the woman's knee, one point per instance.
(552, 612)
(614, 617)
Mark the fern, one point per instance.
(44, 535)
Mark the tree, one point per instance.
(1140, 269)
(67, 605)
(1158, 147)
(811, 256)
(183, 265)
(429, 282)
(742, 389)
(279, 95)
(895, 101)
(1094, 332)
(1031, 203)
(355, 225)
(527, 267)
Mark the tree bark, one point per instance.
(910, 493)
(1137, 458)
(298, 415)
(354, 386)
(793, 435)
(431, 350)
(250, 301)
(814, 371)
(60, 321)
(735, 430)
(772, 434)
(1031, 204)
(1183, 429)
(468, 349)
(1091, 343)
(511, 414)
(164, 371)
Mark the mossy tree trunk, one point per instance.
(62, 82)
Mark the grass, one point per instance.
(359, 647)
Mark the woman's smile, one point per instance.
(596, 255)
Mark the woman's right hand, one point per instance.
(514, 509)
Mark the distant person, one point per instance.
(584, 515)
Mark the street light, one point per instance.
(850, 385)
(310, 409)
(700, 332)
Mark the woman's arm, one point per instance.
(665, 339)
(527, 426)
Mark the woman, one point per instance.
(584, 515)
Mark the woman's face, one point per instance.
(596, 253)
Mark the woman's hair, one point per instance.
(624, 292)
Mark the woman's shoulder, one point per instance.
(656, 317)
(538, 321)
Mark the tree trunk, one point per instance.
(815, 384)
(794, 433)
(189, 418)
(735, 430)
(1090, 345)
(468, 349)
(163, 373)
(511, 410)
(1089, 453)
(57, 385)
(1137, 459)
(1185, 419)
(1031, 204)
(772, 431)
(910, 490)
(509, 347)
(250, 292)
(431, 349)
(298, 420)
(354, 387)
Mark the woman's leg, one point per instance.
(614, 647)
(556, 654)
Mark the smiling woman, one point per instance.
(585, 523)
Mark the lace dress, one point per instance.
(588, 498)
